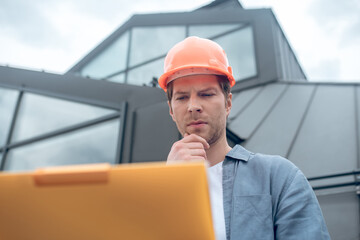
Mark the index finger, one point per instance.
(196, 138)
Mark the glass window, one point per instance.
(94, 144)
(111, 60)
(239, 47)
(120, 78)
(151, 42)
(209, 31)
(144, 74)
(7, 106)
(40, 114)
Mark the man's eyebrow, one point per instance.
(180, 92)
(202, 90)
(208, 89)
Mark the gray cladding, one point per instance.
(327, 141)
(341, 213)
(249, 119)
(276, 134)
(314, 125)
(242, 100)
(357, 127)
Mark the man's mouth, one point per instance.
(197, 124)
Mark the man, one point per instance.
(253, 196)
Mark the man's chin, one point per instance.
(200, 134)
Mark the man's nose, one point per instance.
(194, 105)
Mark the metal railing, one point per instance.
(355, 182)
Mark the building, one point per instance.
(105, 109)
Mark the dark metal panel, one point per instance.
(221, 4)
(341, 213)
(357, 127)
(264, 47)
(154, 133)
(326, 142)
(274, 136)
(246, 123)
(196, 17)
(79, 89)
(241, 100)
(278, 46)
(232, 138)
(120, 147)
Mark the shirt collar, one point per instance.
(239, 153)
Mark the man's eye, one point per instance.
(207, 94)
(181, 98)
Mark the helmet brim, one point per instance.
(184, 71)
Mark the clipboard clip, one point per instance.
(73, 174)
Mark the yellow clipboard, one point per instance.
(133, 201)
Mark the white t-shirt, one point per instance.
(214, 174)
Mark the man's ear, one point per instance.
(171, 111)
(228, 104)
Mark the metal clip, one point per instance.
(77, 174)
(357, 182)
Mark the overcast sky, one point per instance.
(53, 35)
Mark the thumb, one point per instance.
(186, 134)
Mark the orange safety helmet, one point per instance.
(194, 56)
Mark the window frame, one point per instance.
(120, 114)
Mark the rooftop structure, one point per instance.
(107, 108)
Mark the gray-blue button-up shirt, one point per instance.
(268, 197)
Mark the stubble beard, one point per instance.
(210, 136)
(215, 136)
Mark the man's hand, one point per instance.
(191, 147)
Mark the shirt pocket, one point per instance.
(252, 217)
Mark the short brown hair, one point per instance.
(223, 82)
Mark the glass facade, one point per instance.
(150, 44)
(94, 144)
(210, 31)
(111, 60)
(39, 114)
(143, 75)
(8, 100)
(239, 47)
(120, 78)
(76, 133)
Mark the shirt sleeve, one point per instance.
(298, 214)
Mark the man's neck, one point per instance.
(217, 151)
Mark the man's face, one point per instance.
(198, 106)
